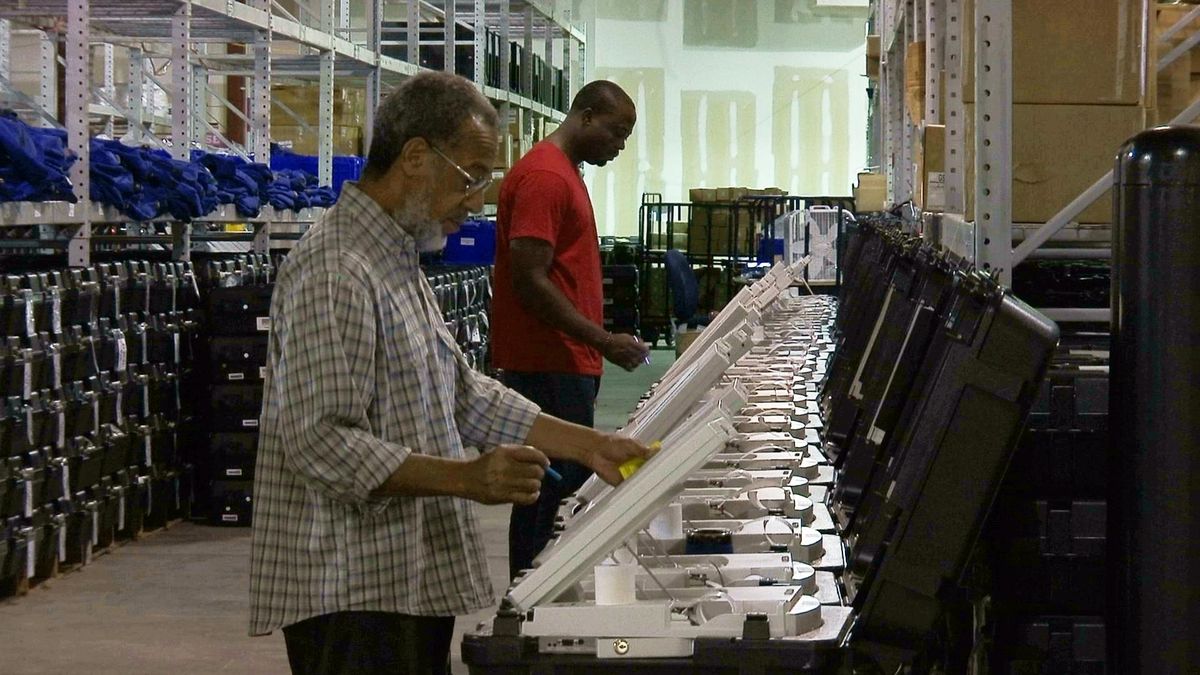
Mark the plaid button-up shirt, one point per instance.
(362, 373)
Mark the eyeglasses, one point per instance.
(473, 184)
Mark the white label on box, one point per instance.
(607, 282)
(263, 323)
(935, 196)
(29, 425)
(28, 498)
(116, 297)
(146, 399)
(30, 328)
(62, 543)
(30, 556)
(233, 472)
(122, 351)
(467, 241)
(96, 413)
(62, 431)
(57, 361)
(250, 423)
(608, 301)
(95, 527)
(145, 350)
(262, 372)
(234, 377)
(28, 374)
(175, 339)
(56, 312)
(149, 450)
(66, 479)
(229, 517)
(121, 511)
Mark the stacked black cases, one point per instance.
(1043, 553)
(95, 364)
(621, 294)
(237, 304)
(464, 294)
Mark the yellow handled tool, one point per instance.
(630, 467)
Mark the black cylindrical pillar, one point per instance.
(1154, 407)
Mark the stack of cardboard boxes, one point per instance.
(1179, 82)
(349, 114)
(724, 221)
(1079, 91)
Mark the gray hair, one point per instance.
(429, 105)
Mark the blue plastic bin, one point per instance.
(473, 244)
(768, 249)
(344, 168)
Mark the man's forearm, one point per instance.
(541, 298)
(563, 440)
(425, 476)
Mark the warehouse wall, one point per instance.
(730, 93)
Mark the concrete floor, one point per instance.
(176, 600)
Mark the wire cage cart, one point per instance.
(725, 242)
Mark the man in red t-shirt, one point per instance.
(548, 304)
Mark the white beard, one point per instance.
(414, 217)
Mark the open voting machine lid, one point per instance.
(746, 307)
(608, 523)
(672, 402)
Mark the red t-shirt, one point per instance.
(544, 197)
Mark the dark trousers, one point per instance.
(567, 397)
(353, 643)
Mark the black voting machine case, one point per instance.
(935, 373)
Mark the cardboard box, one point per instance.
(678, 240)
(1071, 52)
(930, 153)
(349, 105)
(702, 195)
(346, 140)
(1058, 151)
(492, 194)
(1176, 85)
(873, 56)
(870, 195)
(711, 231)
(914, 81)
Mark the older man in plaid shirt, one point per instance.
(365, 542)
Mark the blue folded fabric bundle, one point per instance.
(249, 185)
(145, 183)
(239, 182)
(34, 162)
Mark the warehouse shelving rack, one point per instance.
(992, 241)
(312, 41)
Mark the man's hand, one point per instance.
(509, 474)
(625, 350)
(610, 453)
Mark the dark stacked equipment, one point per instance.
(465, 297)
(96, 383)
(237, 304)
(1041, 564)
(621, 297)
(927, 350)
